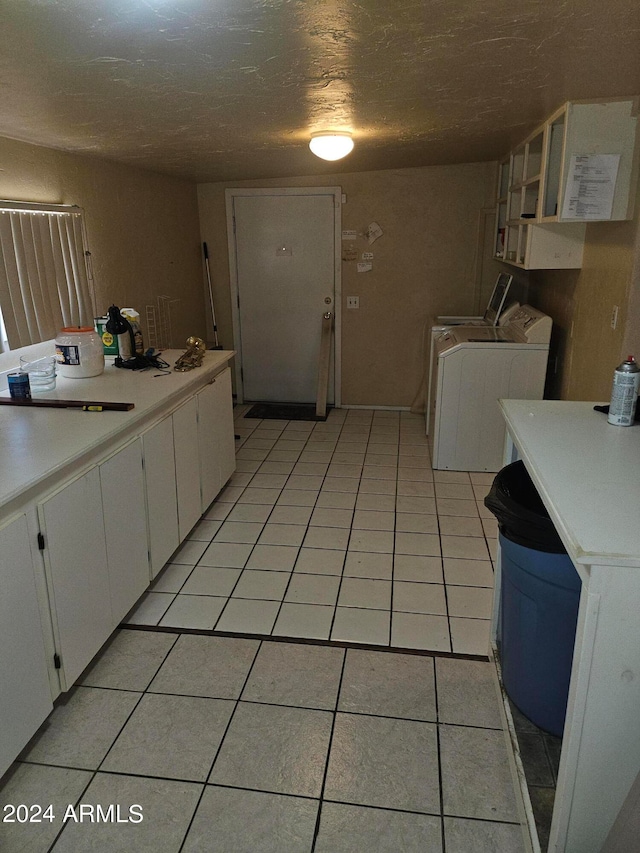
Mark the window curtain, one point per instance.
(43, 274)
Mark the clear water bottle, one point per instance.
(624, 393)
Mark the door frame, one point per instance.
(230, 195)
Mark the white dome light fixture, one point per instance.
(331, 144)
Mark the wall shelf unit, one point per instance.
(557, 180)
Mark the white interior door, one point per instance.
(284, 255)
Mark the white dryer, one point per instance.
(495, 314)
(473, 368)
(444, 324)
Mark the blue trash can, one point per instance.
(539, 602)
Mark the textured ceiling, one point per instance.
(216, 90)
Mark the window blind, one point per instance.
(44, 284)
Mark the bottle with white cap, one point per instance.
(624, 393)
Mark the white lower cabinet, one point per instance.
(103, 535)
(160, 484)
(25, 694)
(75, 554)
(188, 457)
(95, 548)
(125, 527)
(215, 436)
(185, 447)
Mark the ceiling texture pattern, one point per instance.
(223, 90)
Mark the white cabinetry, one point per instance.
(25, 695)
(535, 230)
(215, 436)
(162, 507)
(174, 466)
(76, 557)
(87, 519)
(95, 537)
(125, 527)
(185, 445)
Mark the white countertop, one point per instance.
(587, 473)
(36, 443)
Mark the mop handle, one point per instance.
(213, 312)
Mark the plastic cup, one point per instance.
(42, 373)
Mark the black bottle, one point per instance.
(122, 331)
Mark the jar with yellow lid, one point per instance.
(79, 352)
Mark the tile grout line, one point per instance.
(347, 644)
(254, 544)
(394, 428)
(393, 552)
(307, 526)
(95, 772)
(222, 740)
(439, 754)
(328, 758)
(446, 593)
(344, 561)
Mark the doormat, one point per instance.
(285, 412)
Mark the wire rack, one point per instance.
(159, 322)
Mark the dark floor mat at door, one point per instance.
(284, 412)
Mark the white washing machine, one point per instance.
(495, 314)
(473, 368)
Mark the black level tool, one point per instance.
(86, 405)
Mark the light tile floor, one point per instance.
(337, 531)
(540, 756)
(239, 745)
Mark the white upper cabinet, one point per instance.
(579, 166)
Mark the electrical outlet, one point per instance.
(353, 301)
(614, 317)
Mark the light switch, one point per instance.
(353, 301)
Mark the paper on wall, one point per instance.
(373, 232)
(591, 184)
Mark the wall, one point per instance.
(142, 228)
(424, 264)
(581, 303)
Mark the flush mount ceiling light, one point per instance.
(331, 144)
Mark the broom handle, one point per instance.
(213, 311)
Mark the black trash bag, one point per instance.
(522, 517)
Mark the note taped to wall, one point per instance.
(373, 232)
(591, 183)
(364, 267)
